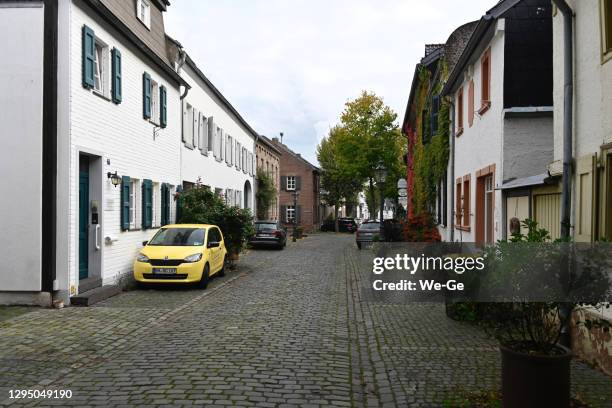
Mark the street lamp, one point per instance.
(380, 173)
(295, 195)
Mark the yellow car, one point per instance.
(182, 253)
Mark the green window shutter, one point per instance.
(163, 105)
(116, 75)
(298, 183)
(165, 204)
(89, 47)
(147, 204)
(125, 203)
(298, 214)
(146, 95)
(284, 183)
(179, 189)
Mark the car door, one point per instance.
(212, 251)
(221, 250)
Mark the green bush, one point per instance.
(199, 205)
(266, 193)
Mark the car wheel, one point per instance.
(359, 245)
(203, 283)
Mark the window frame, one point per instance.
(485, 82)
(290, 209)
(291, 180)
(155, 103)
(146, 19)
(101, 68)
(460, 112)
(135, 203)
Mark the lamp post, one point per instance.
(380, 173)
(295, 194)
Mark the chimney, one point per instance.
(275, 139)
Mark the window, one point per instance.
(458, 201)
(154, 102)
(143, 12)
(101, 68)
(156, 206)
(228, 150)
(460, 112)
(466, 201)
(291, 183)
(485, 77)
(134, 213)
(606, 30)
(471, 103)
(435, 109)
(425, 126)
(237, 155)
(188, 125)
(290, 213)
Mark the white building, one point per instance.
(93, 108)
(501, 88)
(218, 145)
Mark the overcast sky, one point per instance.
(290, 65)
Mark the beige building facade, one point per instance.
(268, 161)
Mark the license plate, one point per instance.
(164, 271)
(266, 235)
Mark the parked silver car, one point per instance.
(367, 233)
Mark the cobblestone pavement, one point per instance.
(288, 328)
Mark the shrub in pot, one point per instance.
(535, 286)
(199, 205)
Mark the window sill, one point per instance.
(485, 107)
(188, 146)
(153, 123)
(100, 95)
(463, 228)
(134, 229)
(606, 57)
(459, 132)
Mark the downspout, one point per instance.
(568, 99)
(181, 61)
(255, 184)
(452, 169)
(565, 309)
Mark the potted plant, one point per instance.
(534, 286)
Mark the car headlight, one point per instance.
(142, 257)
(193, 258)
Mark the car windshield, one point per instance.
(265, 226)
(370, 226)
(179, 237)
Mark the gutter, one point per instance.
(568, 100)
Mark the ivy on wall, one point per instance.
(430, 154)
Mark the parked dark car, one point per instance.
(269, 233)
(344, 225)
(367, 233)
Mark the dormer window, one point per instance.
(143, 12)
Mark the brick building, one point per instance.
(268, 161)
(298, 175)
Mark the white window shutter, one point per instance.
(186, 123)
(211, 134)
(204, 135)
(196, 127)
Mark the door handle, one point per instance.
(96, 233)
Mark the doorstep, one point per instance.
(96, 295)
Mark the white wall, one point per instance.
(480, 145)
(119, 134)
(21, 109)
(592, 81)
(195, 165)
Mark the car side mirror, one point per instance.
(144, 243)
(213, 244)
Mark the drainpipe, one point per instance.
(565, 309)
(255, 183)
(566, 203)
(452, 169)
(181, 62)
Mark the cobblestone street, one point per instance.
(287, 328)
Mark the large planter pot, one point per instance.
(535, 381)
